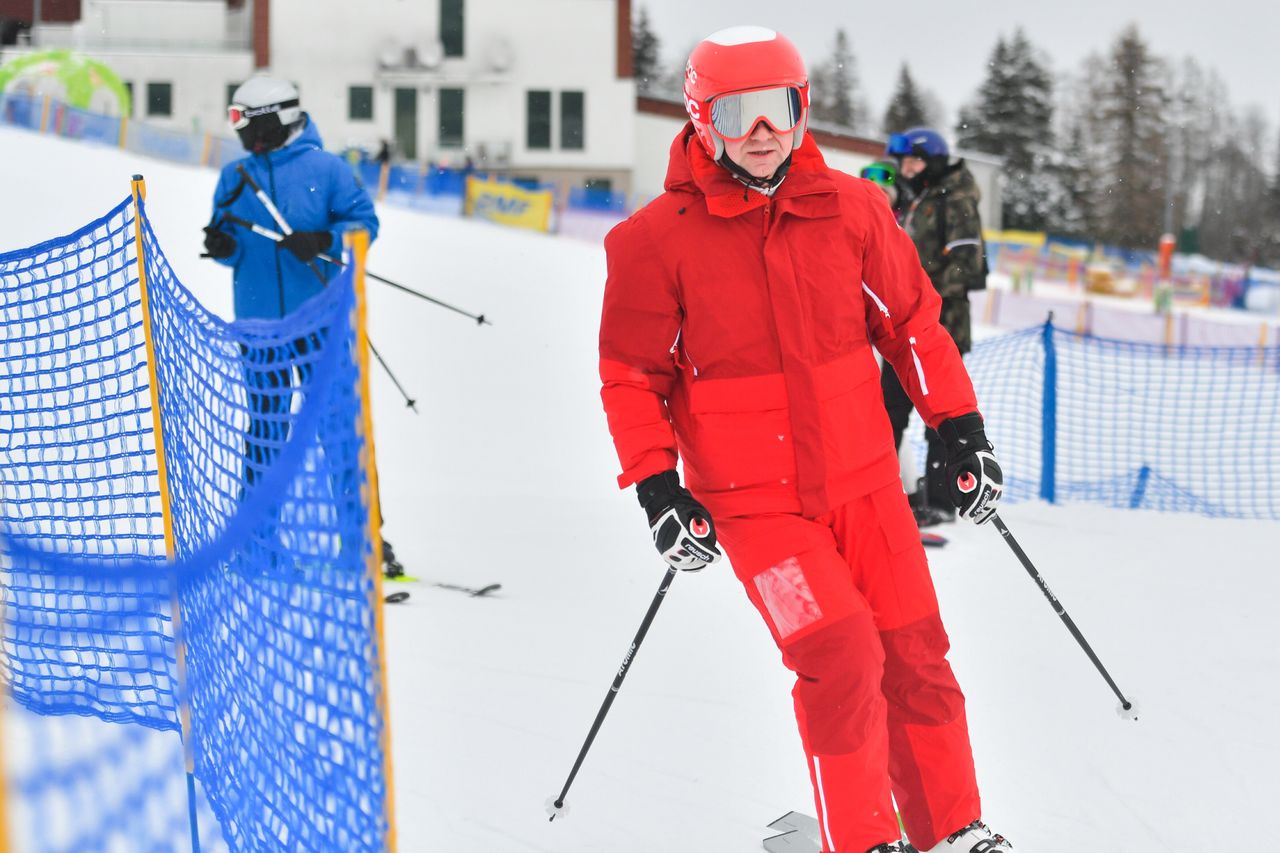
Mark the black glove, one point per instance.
(974, 479)
(217, 243)
(682, 528)
(305, 245)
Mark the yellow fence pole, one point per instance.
(44, 115)
(358, 243)
(4, 765)
(162, 470)
(124, 131)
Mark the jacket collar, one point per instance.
(808, 190)
(306, 140)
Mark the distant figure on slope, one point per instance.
(739, 314)
(319, 197)
(942, 220)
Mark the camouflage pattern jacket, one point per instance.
(944, 224)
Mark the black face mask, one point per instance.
(264, 133)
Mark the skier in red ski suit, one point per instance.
(739, 316)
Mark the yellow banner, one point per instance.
(508, 204)
(1030, 239)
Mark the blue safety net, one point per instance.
(1076, 418)
(260, 632)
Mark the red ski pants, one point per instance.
(850, 603)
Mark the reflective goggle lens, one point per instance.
(879, 174)
(899, 145)
(236, 115)
(735, 116)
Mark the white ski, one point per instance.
(796, 833)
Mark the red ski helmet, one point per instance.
(739, 60)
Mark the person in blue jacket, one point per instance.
(318, 196)
(315, 191)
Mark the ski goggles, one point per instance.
(240, 115)
(735, 116)
(880, 174)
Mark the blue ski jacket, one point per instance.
(314, 191)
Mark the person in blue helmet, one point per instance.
(940, 214)
(319, 197)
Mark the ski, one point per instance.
(796, 833)
(474, 592)
(396, 597)
(932, 540)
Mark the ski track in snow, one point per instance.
(507, 476)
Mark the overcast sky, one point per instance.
(947, 44)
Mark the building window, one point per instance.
(451, 124)
(231, 92)
(603, 185)
(360, 103)
(128, 87)
(451, 27)
(571, 120)
(159, 99)
(538, 126)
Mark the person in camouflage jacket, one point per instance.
(942, 220)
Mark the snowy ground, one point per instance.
(507, 476)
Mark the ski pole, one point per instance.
(408, 401)
(276, 236)
(284, 226)
(1127, 709)
(555, 805)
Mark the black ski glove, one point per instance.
(682, 528)
(218, 243)
(974, 479)
(305, 245)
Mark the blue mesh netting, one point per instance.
(1080, 418)
(269, 507)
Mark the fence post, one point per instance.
(1049, 416)
(358, 242)
(44, 115)
(124, 131)
(139, 190)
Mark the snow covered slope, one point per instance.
(507, 476)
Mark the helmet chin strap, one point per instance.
(766, 184)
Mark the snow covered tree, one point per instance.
(907, 108)
(835, 97)
(645, 50)
(1126, 127)
(1012, 116)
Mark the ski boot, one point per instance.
(893, 847)
(974, 838)
(391, 567)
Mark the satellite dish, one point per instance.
(430, 53)
(390, 55)
(499, 54)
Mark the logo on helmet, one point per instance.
(690, 74)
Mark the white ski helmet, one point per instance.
(263, 111)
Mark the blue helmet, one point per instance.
(920, 142)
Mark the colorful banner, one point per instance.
(508, 204)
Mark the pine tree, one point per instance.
(906, 107)
(1012, 117)
(645, 50)
(1126, 126)
(834, 87)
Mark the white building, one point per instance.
(541, 89)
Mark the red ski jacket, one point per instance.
(736, 334)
